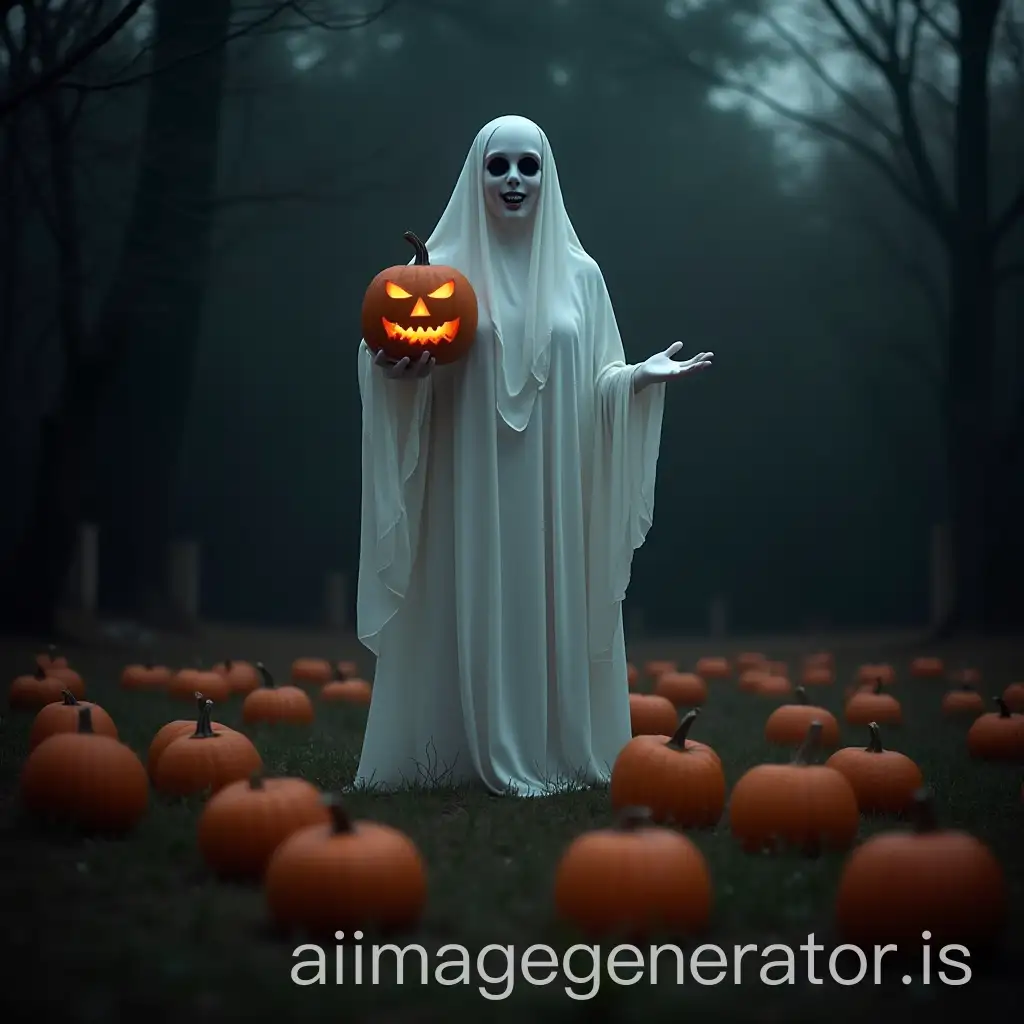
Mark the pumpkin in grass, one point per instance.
(241, 676)
(678, 779)
(998, 735)
(651, 715)
(751, 679)
(900, 884)
(872, 705)
(788, 725)
(276, 704)
(876, 674)
(927, 668)
(242, 825)
(802, 806)
(750, 660)
(207, 759)
(64, 716)
(70, 678)
(658, 666)
(1013, 697)
(172, 731)
(51, 658)
(187, 681)
(713, 668)
(633, 880)
(683, 689)
(347, 691)
(772, 685)
(817, 675)
(777, 668)
(312, 671)
(884, 781)
(417, 308)
(965, 700)
(31, 692)
(85, 779)
(345, 875)
(147, 676)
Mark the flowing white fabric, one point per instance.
(503, 498)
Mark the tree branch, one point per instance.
(53, 76)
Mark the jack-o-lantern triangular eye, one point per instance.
(395, 291)
(446, 291)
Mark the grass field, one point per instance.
(101, 929)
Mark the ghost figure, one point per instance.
(503, 497)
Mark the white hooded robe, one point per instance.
(503, 498)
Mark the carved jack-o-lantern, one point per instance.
(408, 310)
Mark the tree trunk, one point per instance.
(158, 300)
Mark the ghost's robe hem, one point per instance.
(494, 562)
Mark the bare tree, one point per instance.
(933, 147)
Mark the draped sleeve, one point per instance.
(627, 442)
(395, 442)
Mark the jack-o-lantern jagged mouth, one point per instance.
(422, 335)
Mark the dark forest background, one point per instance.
(828, 194)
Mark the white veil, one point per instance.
(463, 238)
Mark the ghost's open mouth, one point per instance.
(513, 198)
(422, 335)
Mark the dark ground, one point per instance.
(100, 929)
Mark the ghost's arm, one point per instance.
(627, 443)
(395, 440)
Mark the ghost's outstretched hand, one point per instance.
(662, 366)
(404, 369)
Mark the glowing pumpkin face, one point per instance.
(411, 309)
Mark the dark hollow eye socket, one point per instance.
(529, 166)
(497, 166)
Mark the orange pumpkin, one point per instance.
(788, 725)
(29, 693)
(146, 677)
(85, 779)
(998, 735)
(64, 717)
(345, 875)
(346, 670)
(800, 805)
(820, 659)
(751, 679)
(884, 781)
(242, 825)
(312, 671)
(651, 715)
(818, 675)
(713, 668)
(241, 676)
(927, 668)
(51, 658)
(772, 685)
(661, 881)
(867, 706)
(683, 689)
(208, 759)
(777, 668)
(750, 660)
(900, 884)
(347, 691)
(678, 779)
(1013, 697)
(276, 704)
(409, 310)
(963, 701)
(658, 666)
(966, 677)
(70, 678)
(185, 683)
(876, 674)
(172, 731)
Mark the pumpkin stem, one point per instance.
(811, 740)
(265, 676)
(875, 742)
(630, 819)
(422, 258)
(256, 780)
(69, 698)
(678, 740)
(878, 685)
(923, 811)
(801, 695)
(199, 699)
(1004, 708)
(341, 823)
(85, 720)
(204, 727)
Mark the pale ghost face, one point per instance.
(512, 171)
